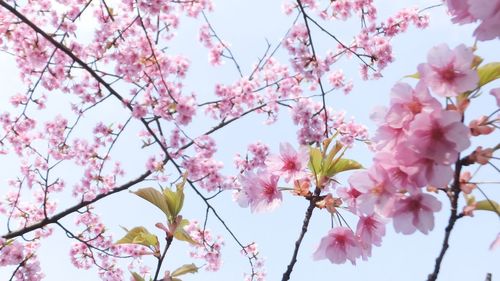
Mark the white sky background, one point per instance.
(245, 24)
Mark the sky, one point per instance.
(246, 24)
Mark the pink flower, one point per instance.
(139, 111)
(460, 11)
(488, 11)
(290, 163)
(211, 255)
(260, 191)
(428, 171)
(439, 136)
(377, 191)
(447, 72)
(480, 126)
(339, 245)
(11, 254)
(481, 156)
(407, 102)
(349, 195)
(387, 137)
(371, 229)
(496, 243)
(496, 94)
(415, 212)
(465, 186)
(402, 177)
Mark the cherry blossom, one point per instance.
(438, 136)
(338, 246)
(112, 101)
(460, 11)
(465, 186)
(290, 163)
(448, 72)
(487, 12)
(371, 229)
(496, 94)
(208, 247)
(496, 243)
(415, 212)
(480, 126)
(481, 156)
(11, 254)
(258, 270)
(377, 191)
(407, 102)
(259, 191)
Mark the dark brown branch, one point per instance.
(453, 196)
(73, 209)
(160, 259)
(305, 225)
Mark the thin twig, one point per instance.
(160, 259)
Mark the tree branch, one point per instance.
(73, 209)
(160, 259)
(455, 192)
(305, 225)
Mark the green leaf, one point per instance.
(9, 242)
(488, 205)
(183, 223)
(187, 268)
(170, 198)
(469, 199)
(343, 165)
(488, 72)
(476, 61)
(180, 193)
(414, 75)
(175, 200)
(330, 162)
(156, 198)
(332, 153)
(182, 235)
(137, 277)
(315, 161)
(139, 235)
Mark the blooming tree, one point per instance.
(109, 106)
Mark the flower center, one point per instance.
(415, 107)
(436, 134)
(414, 205)
(289, 165)
(448, 74)
(269, 190)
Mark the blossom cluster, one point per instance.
(97, 72)
(207, 248)
(15, 253)
(258, 271)
(486, 12)
(415, 145)
(90, 248)
(259, 189)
